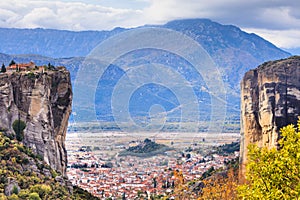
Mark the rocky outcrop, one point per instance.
(43, 101)
(270, 99)
(11, 186)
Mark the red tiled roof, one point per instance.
(21, 66)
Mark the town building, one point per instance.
(21, 67)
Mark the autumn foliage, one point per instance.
(272, 173)
(220, 186)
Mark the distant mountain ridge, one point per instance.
(50, 42)
(233, 51)
(62, 43)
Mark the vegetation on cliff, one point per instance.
(3, 68)
(269, 100)
(35, 105)
(24, 175)
(272, 173)
(214, 184)
(226, 149)
(19, 127)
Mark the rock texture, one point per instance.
(270, 99)
(43, 102)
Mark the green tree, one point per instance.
(3, 68)
(15, 190)
(12, 62)
(19, 127)
(50, 67)
(272, 173)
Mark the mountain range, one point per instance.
(232, 50)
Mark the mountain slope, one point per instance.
(233, 51)
(24, 175)
(59, 43)
(49, 42)
(231, 48)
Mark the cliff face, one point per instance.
(43, 102)
(270, 99)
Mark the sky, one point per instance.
(275, 20)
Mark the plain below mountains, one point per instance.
(232, 50)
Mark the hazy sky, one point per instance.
(276, 20)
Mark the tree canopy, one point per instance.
(3, 68)
(272, 173)
(12, 62)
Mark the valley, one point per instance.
(180, 110)
(94, 162)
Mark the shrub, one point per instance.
(19, 127)
(25, 161)
(41, 189)
(13, 197)
(54, 173)
(2, 197)
(15, 190)
(24, 194)
(31, 75)
(39, 157)
(34, 196)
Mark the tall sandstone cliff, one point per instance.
(270, 99)
(43, 102)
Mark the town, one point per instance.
(133, 177)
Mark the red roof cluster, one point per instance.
(21, 66)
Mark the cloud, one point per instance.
(276, 20)
(287, 39)
(65, 15)
(270, 14)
